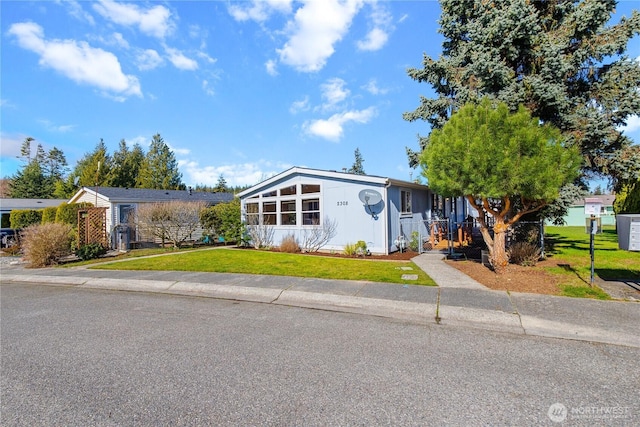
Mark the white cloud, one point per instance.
(148, 59)
(155, 21)
(235, 174)
(270, 66)
(75, 9)
(633, 124)
(316, 27)
(77, 61)
(334, 92)
(298, 106)
(373, 88)
(120, 41)
(378, 35)
(179, 60)
(51, 127)
(259, 10)
(207, 88)
(333, 127)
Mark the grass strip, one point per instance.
(247, 261)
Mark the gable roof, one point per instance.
(318, 173)
(141, 195)
(604, 199)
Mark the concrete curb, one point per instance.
(421, 313)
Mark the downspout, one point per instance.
(386, 217)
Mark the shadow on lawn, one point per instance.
(555, 243)
(570, 269)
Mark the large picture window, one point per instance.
(288, 212)
(311, 212)
(405, 202)
(269, 213)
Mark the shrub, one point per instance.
(289, 244)
(350, 249)
(49, 214)
(223, 220)
(524, 253)
(90, 251)
(361, 248)
(24, 218)
(45, 244)
(67, 213)
(414, 243)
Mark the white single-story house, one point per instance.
(121, 203)
(374, 209)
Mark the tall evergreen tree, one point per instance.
(94, 168)
(126, 165)
(160, 168)
(221, 185)
(30, 183)
(357, 167)
(41, 172)
(558, 58)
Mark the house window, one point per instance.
(405, 202)
(270, 194)
(310, 188)
(288, 212)
(269, 213)
(252, 211)
(311, 212)
(288, 191)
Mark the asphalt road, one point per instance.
(88, 357)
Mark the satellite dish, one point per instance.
(370, 197)
(372, 201)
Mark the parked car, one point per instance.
(8, 237)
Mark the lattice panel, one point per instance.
(92, 226)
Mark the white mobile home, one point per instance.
(364, 207)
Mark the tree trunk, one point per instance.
(498, 257)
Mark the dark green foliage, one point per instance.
(67, 213)
(357, 167)
(49, 214)
(90, 251)
(558, 58)
(25, 218)
(94, 168)
(159, 168)
(221, 185)
(126, 165)
(223, 220)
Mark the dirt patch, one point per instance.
(516, 279)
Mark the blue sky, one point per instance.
(245, 89)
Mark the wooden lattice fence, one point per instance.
(92, 226)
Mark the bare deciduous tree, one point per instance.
(260, 233)
(173, 221)
(316, 237)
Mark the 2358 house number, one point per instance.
(343, 203)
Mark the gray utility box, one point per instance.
(628, 232)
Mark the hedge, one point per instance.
(24, 217)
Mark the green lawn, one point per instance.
(568, 247)
(228, 260)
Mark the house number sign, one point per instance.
(343, 203)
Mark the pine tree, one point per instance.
(41, 172)
(357, 167)
(558, 58)
(126, 165)
(221, 185)
(160, 168)
(94, 168)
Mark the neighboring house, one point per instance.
(8, 205)
(121, 203)
(376, 210)
(577, 216)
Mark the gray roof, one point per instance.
(115, 194)
(11, 204)
(605, 199)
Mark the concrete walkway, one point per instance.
(457, 301)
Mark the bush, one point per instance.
(414, 243)
(289, 244)
(45, 244)
(524, 253)
(90, 251)
(49, 214)
(67, 213)
(361, 248)
(24, 218)
(350, 249)
(223, 220)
